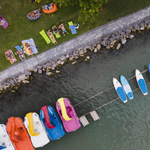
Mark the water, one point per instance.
(121, 126)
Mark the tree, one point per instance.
(89, 8)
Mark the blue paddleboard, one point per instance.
(149, 67)
(119, 90)
(126, 87)
(141, 82)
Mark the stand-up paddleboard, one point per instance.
(149, 67)
(119, 90)
(126, 87)
(141, 82)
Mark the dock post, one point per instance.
(94, 115)
(84, 121)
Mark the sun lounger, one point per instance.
(45, 36)
(72, 27)
(56, 33)
(6, 23)
(10, 56)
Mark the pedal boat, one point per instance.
(18, 134)
(36, 130)
(67, 114)
(51, 122)
(5, 142)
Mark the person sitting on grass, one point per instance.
(61, 26)
(2, 22)
(48, 6)
(34, 13)
(76, 26)
(21, 55)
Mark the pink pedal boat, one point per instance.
(67, 114)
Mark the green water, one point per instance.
(121, 126)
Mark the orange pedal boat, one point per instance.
(51, 10)
(18, 134)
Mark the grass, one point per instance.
(20, 28)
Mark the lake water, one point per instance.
(121, 126)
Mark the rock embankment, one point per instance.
(111, 36)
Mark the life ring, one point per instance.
(50, 11)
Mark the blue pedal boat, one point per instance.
(52, 122)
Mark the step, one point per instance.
(94, 115)
(84, 121)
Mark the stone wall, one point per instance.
(110, 35)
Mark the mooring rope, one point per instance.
(105, 91)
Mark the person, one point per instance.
(29, 49)
(9, 56)
(21, 55)
(55, 30)
(2, 22)
(100, 9)
(34, 13)
(48, 6)
(61, 26)
(49, 32)
(76, 26)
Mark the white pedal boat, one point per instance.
(36, 130)
(5, 142)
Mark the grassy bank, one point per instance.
(20, 28)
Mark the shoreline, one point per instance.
(111, 35)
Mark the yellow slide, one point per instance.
(63, 109)
(31, 126)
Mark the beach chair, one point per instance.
(72, 27)
(56, 32)
(6, 23)
(45, 36)
(10, 56)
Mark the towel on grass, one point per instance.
(10, 56)
(18, 47)
(32, 45)
(6, 23)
